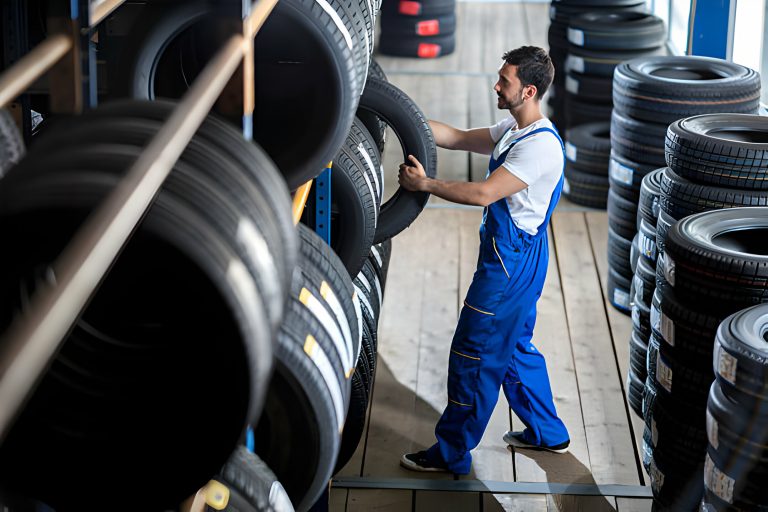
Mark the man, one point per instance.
(492, 343)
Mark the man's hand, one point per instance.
(412, 177)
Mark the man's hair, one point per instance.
(534, 67)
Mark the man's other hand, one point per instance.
(412, 177)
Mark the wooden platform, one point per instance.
(584, 339)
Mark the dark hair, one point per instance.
(534, 67)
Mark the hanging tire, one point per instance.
(409, 124)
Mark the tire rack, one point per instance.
(33, 339)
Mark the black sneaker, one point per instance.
(419, 462)
(516, 440)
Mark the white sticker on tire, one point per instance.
(717, 481)
(712, 430)
(655, 317)
(726, 365)
(621, 298)
(620, 172)
(663, 373)
(667, 329)
(574, 63)
(571, 151)
(571, 85)
(576, 36)
(566, 186)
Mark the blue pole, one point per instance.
(711, 28)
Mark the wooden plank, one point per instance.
(620, 324)
(609, 441)
(634, 505)
(338, 500)
(581, 503)
(515, 503)
(552, 339)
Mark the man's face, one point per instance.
(508, 88)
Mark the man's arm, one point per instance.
(476, 140)
(501, 183)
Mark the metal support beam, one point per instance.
(494, 487)
(710, 29)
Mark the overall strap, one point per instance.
(558, 189)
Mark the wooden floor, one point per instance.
(584, 339)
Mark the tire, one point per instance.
(585, 189)
(665, 89)
(323, 47)
(580, 112)
(409, 26)
(638, 355)
(250, 486)
(681, 197)
(409, 124)
(363, 143)
(588, 147)
(638, 141)
(617, 31)
(375, 126)
(619, 253)
(423, 8)
(686, 378)
(601, 63)
(726, 150)
(592, 89)
(177, 263)
(663, 223)
(353, 209)
(618, 291)
(641, 318)
(621, 215)
(11, 143)
(719, 257)
(563, 10)
(422, 47)
(627, 176)
(740, 357)
(299, 432)
(648, 204)
(644, 281)
(358, 409)
(635, 388)
(647, 242)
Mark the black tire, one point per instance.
(665, 89)
(644, 281)
(647, 242)
(641, 318)
(375, 126)
(250, 486)
(11, 142)
(741, 357)
(617, 31)
(719, 257)
(353, 210)
(635, 387)
(648, 204)
(358, 408)
(728, 150)
(363, 143)
(638, 141)
(685, 377)
(618, 288)
(563, 10)
(149, 71)
(585, 189)
(410, 126)
(381, 255)
(601, 63)
(621, 215)
(588, 147)
(627, 174)
(299, 432)
(663, 223)
(581, 112)
(176, 263)
(681, 197)
(619, 253)
(409, 26)
(593, 89)
(424, 8)
(422, 47)
(638, 356)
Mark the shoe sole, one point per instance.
(407, 464)
(517, 444)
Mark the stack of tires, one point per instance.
(643, 256)
(560, 14)
(587, 151)
(186, 315)
(648, 95)
(424, 29)
(599, 41)
(736, 465)
(714, 264)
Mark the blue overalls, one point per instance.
(492, 343)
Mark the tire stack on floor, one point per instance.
(648, 95)
(185, 317)
(736, 465)
(587, 151)
(599, 41)
(704, 152)
(560, 14)
(424, 29)
(714, 264)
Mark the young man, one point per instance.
(492, 343)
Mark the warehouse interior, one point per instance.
(217, 295)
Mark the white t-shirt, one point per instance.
(537, 161)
